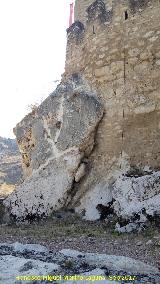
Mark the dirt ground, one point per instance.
(86, 236)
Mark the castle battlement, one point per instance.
(101, 13)
(84, 9)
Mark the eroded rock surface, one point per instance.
(137, 199)
(12, 267)
(112, 262)
(31, 260)
(133, 199)
(53, 141)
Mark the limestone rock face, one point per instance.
(136, 199)
(53, 141)
(23, 264)
(133, 199)
(12, 267)
(113, 262)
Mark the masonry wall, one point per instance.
(118, 53)
(81, 7)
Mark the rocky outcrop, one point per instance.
(10, 166)
(18, 261)
(133, 197)
(137, 199)
(135, 194)
(54, 141)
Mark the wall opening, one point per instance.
(94, 30)
(126, 15)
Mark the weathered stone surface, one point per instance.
(113, 262)
(53, 141)
(80, 172)
(92, 276)
(34, 248)
(18, 248)
(100, 194)
(67, 265)
(137, 198)
(11, 267)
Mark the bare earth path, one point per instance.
(98, 237)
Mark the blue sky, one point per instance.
(32, 54)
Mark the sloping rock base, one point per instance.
(35, 260)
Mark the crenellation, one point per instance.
(138, 5)
(76, 31)
(98, 10)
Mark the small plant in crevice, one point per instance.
(136, 172)
(69, 264)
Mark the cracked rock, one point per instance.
(80, 172)
(137, 200)
(53, 139)
(71, 263)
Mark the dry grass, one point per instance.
(74, 233)
(70, 227)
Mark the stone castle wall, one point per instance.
(82, 6)
(118, 53)
(121, 59)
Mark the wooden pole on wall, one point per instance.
(71, 14)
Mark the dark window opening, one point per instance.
(126, 15)
(94, 30)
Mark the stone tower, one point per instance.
(115, 45)
(118, 52)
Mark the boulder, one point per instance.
(70, 266)
(113, 262)
(137, 199)
(13, 268)
(53, 140)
